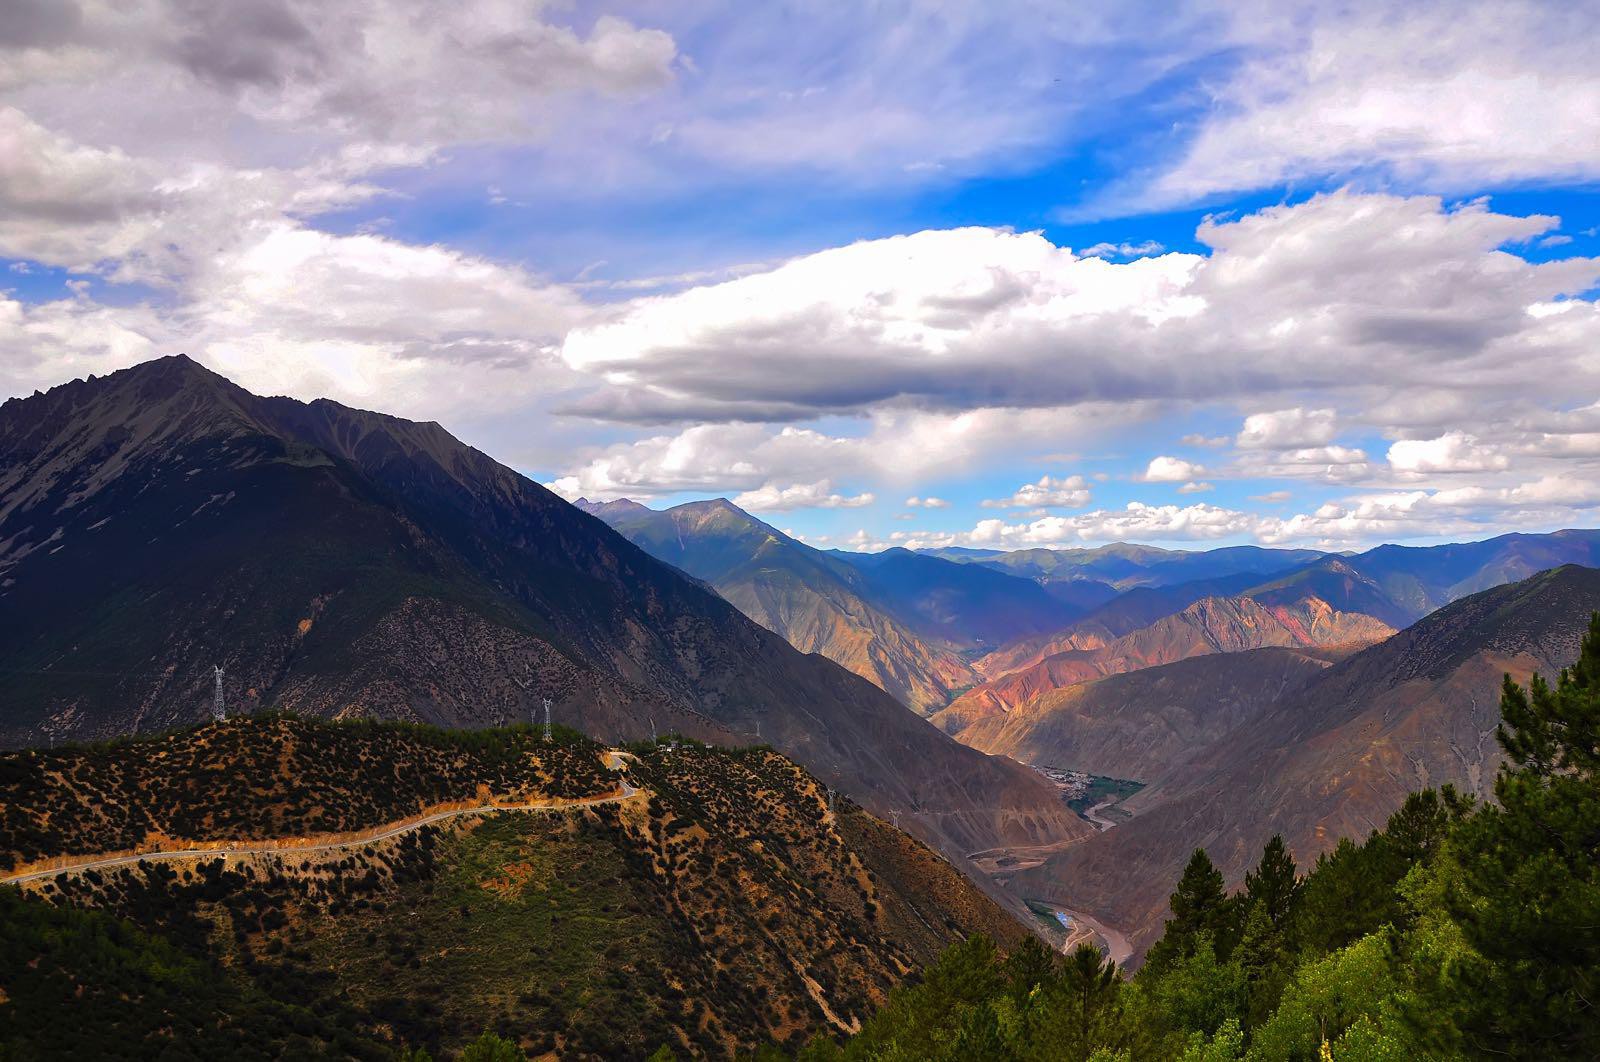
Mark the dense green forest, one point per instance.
(1459, 930)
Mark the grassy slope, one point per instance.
(270, 777)
(723, 906)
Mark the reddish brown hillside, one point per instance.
(1211, 625)
(1141, 725)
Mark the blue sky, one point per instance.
(1182, 273)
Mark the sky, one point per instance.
(1003, 275)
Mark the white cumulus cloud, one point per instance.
(1287, 429)
(1165, 469)
(1453, 451)
(1049, 492)
(1341, 294)
(818, 495)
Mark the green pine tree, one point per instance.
(1521, 880)
(1090, 983)
(1266, 961)
(980, 1037)
(1274, 883)
(1029, 965)
(1200, 905)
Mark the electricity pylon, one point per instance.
(218, 712)
(547, 720)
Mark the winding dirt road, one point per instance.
(614, 761)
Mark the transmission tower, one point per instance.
(895, 815)
(218, 712)
(653, 739)
(547, 720)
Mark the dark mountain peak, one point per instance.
(61, 448)
(170, 365)
(151, 381)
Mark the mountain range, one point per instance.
(904, 621)
(1274, 691)
(1123, 565)
(161, 521)
(1333, 601)
(985, 642)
